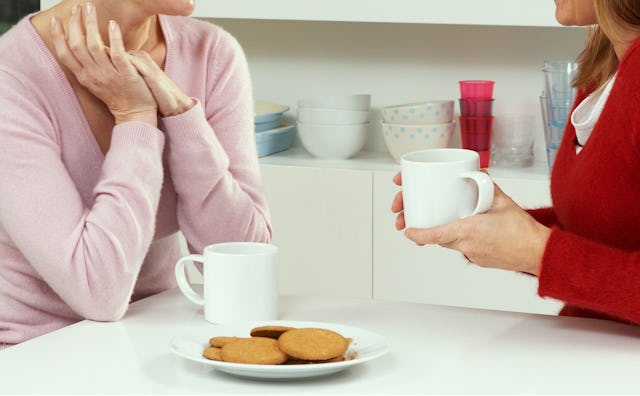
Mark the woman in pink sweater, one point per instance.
(124, 123)
(585, 249)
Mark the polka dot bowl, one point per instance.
(401, 139)
(429, 112)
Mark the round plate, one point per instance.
(366, 345)
(267, 111)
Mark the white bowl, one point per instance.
(401, 139)
(333, 141)
(343, 102)
(314, 115)
(420, 113)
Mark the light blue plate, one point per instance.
(275, 140)
(267, 125)
(268, 112)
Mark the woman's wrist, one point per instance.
(539, 244)
(148, 116)
(182, 105)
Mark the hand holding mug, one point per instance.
(440, 186)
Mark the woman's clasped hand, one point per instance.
(130, 83)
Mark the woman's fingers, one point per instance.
(117, 52)
(397, 204)
(397, 179)
(62, 48)
(147, 68)
(95, 45)
(400, 224)
(77, 38)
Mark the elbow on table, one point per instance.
(104, 312)
(104, 307)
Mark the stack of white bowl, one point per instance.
(334, 127)
(417, 126)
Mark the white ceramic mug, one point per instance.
(443, 185)
(240, 281)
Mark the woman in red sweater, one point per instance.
(585, 249)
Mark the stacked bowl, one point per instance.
(334, 127)
(272, 135)
(417, 126)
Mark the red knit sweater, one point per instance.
(592, 257)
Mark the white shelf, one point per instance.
(456, 12)
(378, 161)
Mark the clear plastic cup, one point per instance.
(513, 139)
(555, 119)
(475, 133)
(476, 89)
(558, 78)
(476, 107)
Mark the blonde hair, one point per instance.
(598, 61)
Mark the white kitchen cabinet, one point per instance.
(322, 221)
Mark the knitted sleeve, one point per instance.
(573, 271)
(545, 216)
(213, 158)
(89, 255)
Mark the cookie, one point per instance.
(313, 344)
(254, 350)
(221, 341)
(212, 353)
(270, 331)
(291, 360)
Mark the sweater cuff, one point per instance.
(187, 126)
(134, 134)
(191, 137)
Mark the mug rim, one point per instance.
(455, 155)
(234, 248)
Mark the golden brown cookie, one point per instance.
(221, 341)
(313, 344)
(254, 350)
(212, 353)
(301, 361)
(270, 331)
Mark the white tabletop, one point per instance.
(434, 349)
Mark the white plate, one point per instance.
(365, 346)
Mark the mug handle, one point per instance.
(485, 190)
(181, 277)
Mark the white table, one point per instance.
(434, 349)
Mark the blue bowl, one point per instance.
(275, 140)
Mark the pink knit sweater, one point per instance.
(81, 233)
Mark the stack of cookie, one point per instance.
(280, 345)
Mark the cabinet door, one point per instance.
(431, 274)
(322, 221)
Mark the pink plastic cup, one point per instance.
(476, 107)
(476, 89)
(476, 135)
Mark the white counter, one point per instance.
(434, 349)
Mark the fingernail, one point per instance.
(89, 8)
(53, 21)
(74, 9)
(112, 25)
